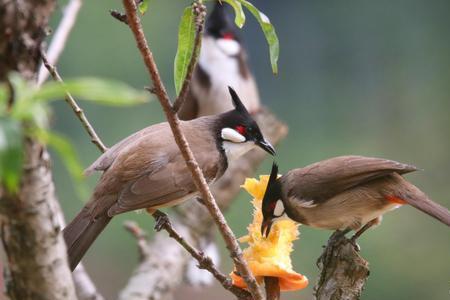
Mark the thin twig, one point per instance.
(60, 37)
(141, 237)
(119, 16)
(194, 223)
(200, 14)
(76, 108)
(199, 180)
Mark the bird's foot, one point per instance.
(354, 243)
(162, 220)
(339, 234)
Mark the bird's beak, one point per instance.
(266, 146)
(265, 227)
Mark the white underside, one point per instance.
(223, 70)
(235, 150)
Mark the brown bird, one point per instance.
(222, 62)
(344, 193)
(147, 171)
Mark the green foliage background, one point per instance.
(355, 77)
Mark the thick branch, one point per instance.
(75, 107)
(272, 286)
(60, 37)
(343, 271)
(199, 179)
(30, 231)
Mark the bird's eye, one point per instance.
(241, 129)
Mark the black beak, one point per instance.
(265, 227)
(266, 146)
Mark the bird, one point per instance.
(222, 62)
(147, 171)
(344, 193)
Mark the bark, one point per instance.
(31, 236)
(159, 271)
(343, 271)
(23, 26)
(30, 231)
(196, 225)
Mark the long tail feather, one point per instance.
(81, 233)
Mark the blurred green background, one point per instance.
(355, 77)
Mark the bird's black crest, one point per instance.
(272, 191)
(237, 101)
(219, 22)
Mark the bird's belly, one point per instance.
(176, 201)
(348, 217)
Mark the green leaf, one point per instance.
(68, 155)
(239, 18)
(3, 98)
(11, 153)
(186, 38)
(269, 33)
(143, 6)
(107, 92)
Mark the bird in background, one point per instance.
(222, 62)
(147, 171)
(344, 193)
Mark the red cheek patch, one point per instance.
(240, 129)
(228, 36)
(395, 199)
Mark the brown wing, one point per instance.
(326, 179)
(162, 176)
(106, 159)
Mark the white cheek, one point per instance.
(229, 47)
(279, 209)
(232, 135)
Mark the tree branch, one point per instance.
(272, 286)
(75, 107)
(30, 230)
(199, 180)
(343, 271)
(60, 37)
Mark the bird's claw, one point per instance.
(162, 220)
(355, 244)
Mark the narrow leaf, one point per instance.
(143, 6)
(107, 92)
(3, 98)
(11, 153)
(186, 37)
(68, 155)
(269, 33)
(239, 18)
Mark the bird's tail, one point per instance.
(419, 200)
(81, 233)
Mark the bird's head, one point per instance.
(222, 29)
(238, 131)
(272, 204)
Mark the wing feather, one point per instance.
(326, 179)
